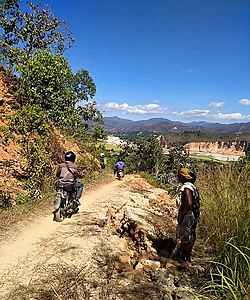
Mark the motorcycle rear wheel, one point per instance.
(58, 215)
(120, 176)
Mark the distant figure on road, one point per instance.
(103, 160)
(188, 204)
(120, 165)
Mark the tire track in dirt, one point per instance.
(28, 249)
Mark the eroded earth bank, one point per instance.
(118, 247)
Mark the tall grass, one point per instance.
(225, 219)
(225, 195)
(229, 283)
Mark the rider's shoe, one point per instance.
(70, 211)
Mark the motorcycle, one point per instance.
(65, 204)
(120, 174)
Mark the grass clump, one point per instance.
(226, 222)
(225, 206)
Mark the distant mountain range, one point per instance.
(161, 125)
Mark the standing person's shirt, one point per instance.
(120, 165)
(68, 172)
(195, 202)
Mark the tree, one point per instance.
(143, 155)
(31, 31)
(84, 90)
(83, 86)
(178, 156)
(33, 44)
(99, 133)
(48, 81)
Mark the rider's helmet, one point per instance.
(70, 156)
(102, 155)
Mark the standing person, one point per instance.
(188, 204)
(68, 173)
(103, 160)
(119, 165)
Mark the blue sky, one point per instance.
(185, 60)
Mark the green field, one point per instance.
(108, 147)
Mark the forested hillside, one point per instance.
(40, 113)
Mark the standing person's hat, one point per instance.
(185, 172)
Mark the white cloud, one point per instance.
(207, 115)
(233, 116)
(244, 101)
(192, 113)
(151, 108)
(185, 115)
(216, 104)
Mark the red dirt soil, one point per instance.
(13, 164)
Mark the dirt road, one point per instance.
(102, 252)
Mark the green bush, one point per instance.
(21, 198)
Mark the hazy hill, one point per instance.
(161, 125)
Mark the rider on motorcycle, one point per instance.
(68, 173)
(119, 165)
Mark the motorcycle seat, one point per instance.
(67, 186)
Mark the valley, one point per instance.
(213, 150)
(225, 142)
